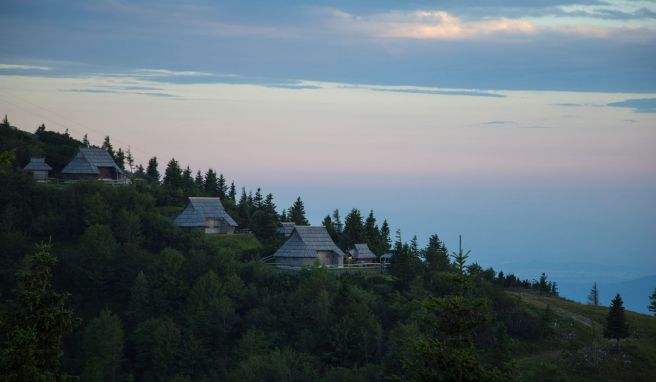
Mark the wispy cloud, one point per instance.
(171, 73)
(23, 67)
(420, 90)
(640, 105)
(497, 123)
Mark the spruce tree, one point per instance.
(232, 193)
(102, 348)
(593, 297)
(39, 320)
(5, 122)
(173, 175)
(297, 213)
(211, 186)
(151, 170)
(616, 326)
(120, 159)
(129, 159)
(85, 141)
(221, 186)
(107, 145)
(652, 305)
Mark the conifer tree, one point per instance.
(38, 321)
(173, 174)
(5, 122)
(652, 305)
(297, 213)
(199, 183)
(120, 159)
(436, 254)
(232, 193)
(616, 326)
(129, 159)
(102, 347)
(107, 145)
(221, 186)
(211, 187)
(85, 141)
(151, 170)
(353, 229)
(385, 238)
(337, 221)
(593, 297)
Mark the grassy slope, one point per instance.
(577, 350)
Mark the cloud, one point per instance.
(441, 25)
(639, 105)
(118, 91)
(450, 92)
(171, 73)
(497, 123)
(23, 67)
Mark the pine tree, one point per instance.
(353, 229)
(38, 322)
(107, 145)
(199, 183)
(436, 254)
(85, 141)
(211, 188)
(652, 305)
(173, 174)
(232, 194)
(337, 221)
(221, 186)
(5, 122)
(297, 213)
(616, 326)
(130, 159)
(151, 170)
(102, 348)
(385, 239)
(593, 297)
(120, 159)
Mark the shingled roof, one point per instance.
(199, 209)
(286, 228)
(306, 241)
(88, 160)
(362, 252)
(37, 164)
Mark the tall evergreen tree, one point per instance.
(337, 221)
(232, 193)
(353, 229)
(173, 175)
(593, 297)
(39, 319)
(151, 170)
(5, 122)
(436, 254)
(199, 183)
(130, 160)
(652, 304)
(222, 188)
(120, 159)
(107, 145)
(85, 141)
(102, 348)
(297, 213)
(616, 327)
(385, 239)
(211, 186)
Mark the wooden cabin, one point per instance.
(361, 254)
(308, 245)
(207, 214)
(39, 168)
(91, 162)
(286, 228)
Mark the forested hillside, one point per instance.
(98, 283)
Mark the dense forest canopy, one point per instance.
(127, 295)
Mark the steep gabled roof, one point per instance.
(306, 241)
(199, 209)
(362, 252)
(286, 228)
(88, 160)
(37, 164)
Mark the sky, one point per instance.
(529, 127)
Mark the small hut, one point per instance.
(308, 245)
(39, 168)
(91, 162)
(207, 214)
(361, 254)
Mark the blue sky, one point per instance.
(526, 126)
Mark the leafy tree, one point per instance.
(296, 213)
(652, 305)
(102, 348)
(593, 297)
(39, 319)
(616, 327)
(151, 170)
